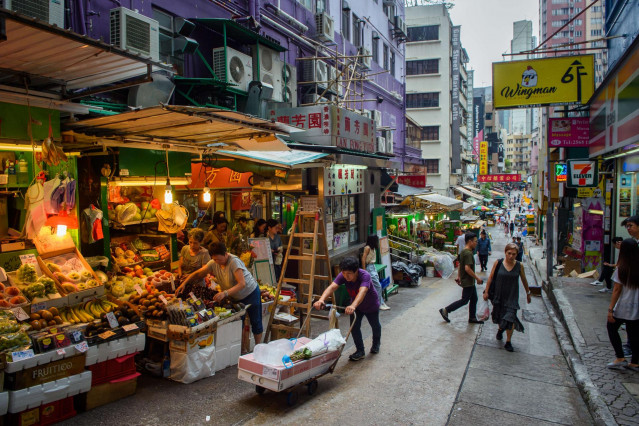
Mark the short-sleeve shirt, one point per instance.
(627, 306)
(461, 243)
(371, 300)
(466, 258)
(192, 263)
(226, 279)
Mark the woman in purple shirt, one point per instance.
(364, 303)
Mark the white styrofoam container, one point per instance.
(228, 334)
(115, 349)
(40, 359)
(4, 403)
(222, 358)
(35, 396)
(234, 353)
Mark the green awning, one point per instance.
(238, 33)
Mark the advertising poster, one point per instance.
(483, 157)
(569, 132)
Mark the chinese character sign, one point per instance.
(341, 179)
(483, 158)
(499, 178)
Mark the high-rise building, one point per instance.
(437, 92)
(520, 121)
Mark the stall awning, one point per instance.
(468, 193)
(292, 159)
(447, 202)
(406, 190)
(179, 128)
(497, 193)
(61, 63)
(468, 207)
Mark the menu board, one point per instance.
(340, 179)
(262, 249)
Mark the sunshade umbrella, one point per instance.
(482, 208)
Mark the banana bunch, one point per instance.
(51, 153)
(87, 312)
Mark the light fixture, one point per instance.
(207, 195)
(148, 181)
(61, 230)
(597, 212)
(168, 194)
(61, 222)
(622, 154)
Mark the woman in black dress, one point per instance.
(502, 288)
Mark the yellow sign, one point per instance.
(547, 81)
(483, 158)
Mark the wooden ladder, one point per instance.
(306, 284)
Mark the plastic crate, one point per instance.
(46, 414)
(104, 372)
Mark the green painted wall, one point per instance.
(14, 120)
(141, 162)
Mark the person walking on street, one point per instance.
(607, 269)
(512, 227)
(624, 306)
(364, 303)
(520, 248)
(467, 278)
(502, 288)
(483, 250)
(460, 242)
(369, 255)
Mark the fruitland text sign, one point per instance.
(582, 173)
(548, 81)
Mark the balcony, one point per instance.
(413, 152)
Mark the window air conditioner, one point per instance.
(325, 29)
(365, 58)
(269, 68)
(289, 84)
(381, 144)
(51, 11)
(135, 32)
(316, 71)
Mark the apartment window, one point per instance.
(562, 34)
(430, 133)
(489, 116)
(392, 64)
(578, 33)
(375, 49)
(597, 9)
(595, 33)
(389, 10)
(432, 166)
(423, 66)
(560, 23)
(346, 24)
(422, 100)
(559, 1)
(562, 11)
(307, 4)
(167, 32)
(386, 58)
(578, 22)
(357, 41)
(425, 33)
(596, 21)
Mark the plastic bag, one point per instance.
(483, 310)
(190, 367)
(325, 342)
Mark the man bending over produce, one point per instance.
(364, 303)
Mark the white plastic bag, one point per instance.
(193, 366)
(325, 342)
(483, 310)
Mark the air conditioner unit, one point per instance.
(269, 68)
(368, 113)
(316, 71)
(381, 144)
(314, 98)
(400, 26)
(237, 68)
(366, 58)
(135, 32)
(377, 118)
(388, 134)
(289, 84)
(51, 11)
(335, 86)
(325, 27)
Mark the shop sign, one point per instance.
(342, 179)
(516, 177)
(568, 132)
(415, 181)
(582, 173)
(218, 178)
(548, 81)
(561, 172)
(483, 158)
(329, 125)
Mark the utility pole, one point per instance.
(550, 225)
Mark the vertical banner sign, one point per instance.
(478, 124)
(470, 108)
(455, 62)
(483, 158)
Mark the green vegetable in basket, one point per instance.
(27, 273)
(301, 354)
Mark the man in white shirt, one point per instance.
(460, 243)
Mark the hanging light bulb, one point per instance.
(207, 195)
(61, 230)
(168, 194)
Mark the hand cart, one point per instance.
(288, 379)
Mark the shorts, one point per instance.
(254, 311)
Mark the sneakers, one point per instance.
(475, 321)
(357, 356)
(632, 367)
(500, 334)
(384, 307)
(444, 314)
(509, 347)
(617, 365)
(596, 282)
(605, 290)
(375, 349)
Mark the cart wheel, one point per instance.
(312, 387)
(259, 389)
(291, 398)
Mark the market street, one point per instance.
(428, 372)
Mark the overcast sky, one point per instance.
(487, 28)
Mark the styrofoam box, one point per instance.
(234, 353)
(115, 349)
(4, 403)
(40, 359)
(228, 334)
(222, 358)
(35, 396)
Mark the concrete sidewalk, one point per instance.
(580, 325)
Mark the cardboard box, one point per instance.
(192, 345)
(45, 373)
(108, 392)
(572, 265)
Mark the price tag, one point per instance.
(22, 355)
(77, 336)
(163, 299)
(138, 289)
(61, 352)
(38, 307)
(106, 335)
(113, 321)
(129, 327)
(28, 259)
(20, 314)
(82, 346)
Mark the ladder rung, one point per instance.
(307, 256)
(320, 277)
(296, 281)
(305, 234)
